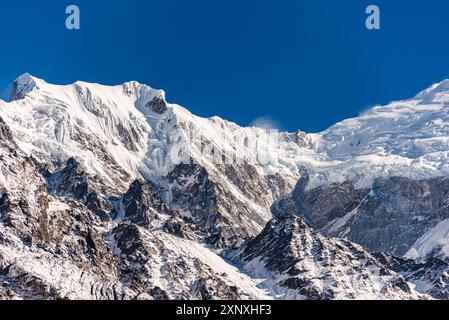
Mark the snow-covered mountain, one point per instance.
(111, 192)
(127, 132)
(384, 181)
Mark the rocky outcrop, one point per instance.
(74, 182)
(141, 204)
(390, 216)
(429, 277)
(23, 192)
(304, 264)
(22, 86)
(158, 104)
(157, 265)
(224, 218)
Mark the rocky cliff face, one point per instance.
(45, 242)
(74, 182)
(24, 195)
(141, 204)
(157, 265)
(204, 197)
(299, 263)
(389, 216)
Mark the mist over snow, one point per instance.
(266, 122)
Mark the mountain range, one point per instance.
(111, 192)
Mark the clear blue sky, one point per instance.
(305, 63)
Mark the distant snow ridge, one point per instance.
(407, 138)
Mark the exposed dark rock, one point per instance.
(141, 203)
(159, 294)
(206, 289)
(74, 182)
(183, 228)
(142, 254)
(319, 268)
(22, 86)
(224, 218)
(158, 104)
(389, 217)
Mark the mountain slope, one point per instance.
(38, 233)
(299, 263)
(302, 264)
(57, 248)
(384, 181)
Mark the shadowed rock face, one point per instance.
(158, 104)
(21, 86)
(308, 265)
(23, 192)
(224, 218)
(390, 216)
(74, 255)
(74, 182)
(194, 192)
(144, 254)
(140, 202)
(313, 267)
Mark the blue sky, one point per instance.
(303, 64)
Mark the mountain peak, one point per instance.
(23, 85)
(434, 92)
